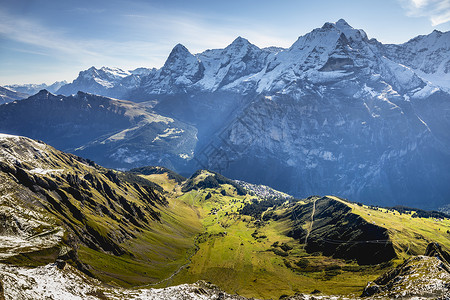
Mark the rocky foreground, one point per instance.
(421, 277)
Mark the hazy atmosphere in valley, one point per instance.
(224, 150)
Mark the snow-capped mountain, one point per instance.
(31, 89)
(427, 55)
(335, 113)
(322, 55)
(7, 95)
(112, 82)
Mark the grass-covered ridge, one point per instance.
(410, 234)
(118, 227)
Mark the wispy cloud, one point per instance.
(32, 33)
(124, 39)
(199, 33)
(59, 44)
(149, 42)
(437, 11)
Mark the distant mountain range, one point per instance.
(7, 95)
(13, 92)
(326, 54)
(32, 89)
(336, 113)
(110, 131)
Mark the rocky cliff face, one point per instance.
(362, 147)
(423, 277)
(59, 207)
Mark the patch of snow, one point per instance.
(45, 171)
(184, 156)
(427, 91)
(4, 136)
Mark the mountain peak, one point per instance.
(179, 49)
(240, 41)
(41, 95)
(178, 53)
(43, 92)
(92, 70)
(342, 23)
(342, 26)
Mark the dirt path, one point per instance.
(188, 261)
(311, 224)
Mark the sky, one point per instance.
(43, 41)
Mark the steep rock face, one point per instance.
(106, 130)
(111, 225)
(36, 176)
(340, 142)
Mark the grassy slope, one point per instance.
(157, 253)
(233, 251)
(153, 249)
(230, 256)
(409, 235)
(239, 262)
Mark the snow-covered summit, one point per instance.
(32, 89)
(104, 76)
(427, 55)
(181, 66)
(332, 52)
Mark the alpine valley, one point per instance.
(71, 229)
(320, 171)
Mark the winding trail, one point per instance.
(311, 224)
(188, 262)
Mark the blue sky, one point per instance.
(48, 40)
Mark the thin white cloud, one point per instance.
(60, 45)
(32, 33)
(152, 39)
(437, 11)
(199, 34)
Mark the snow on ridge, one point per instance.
(45, 171)
(4, 136)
